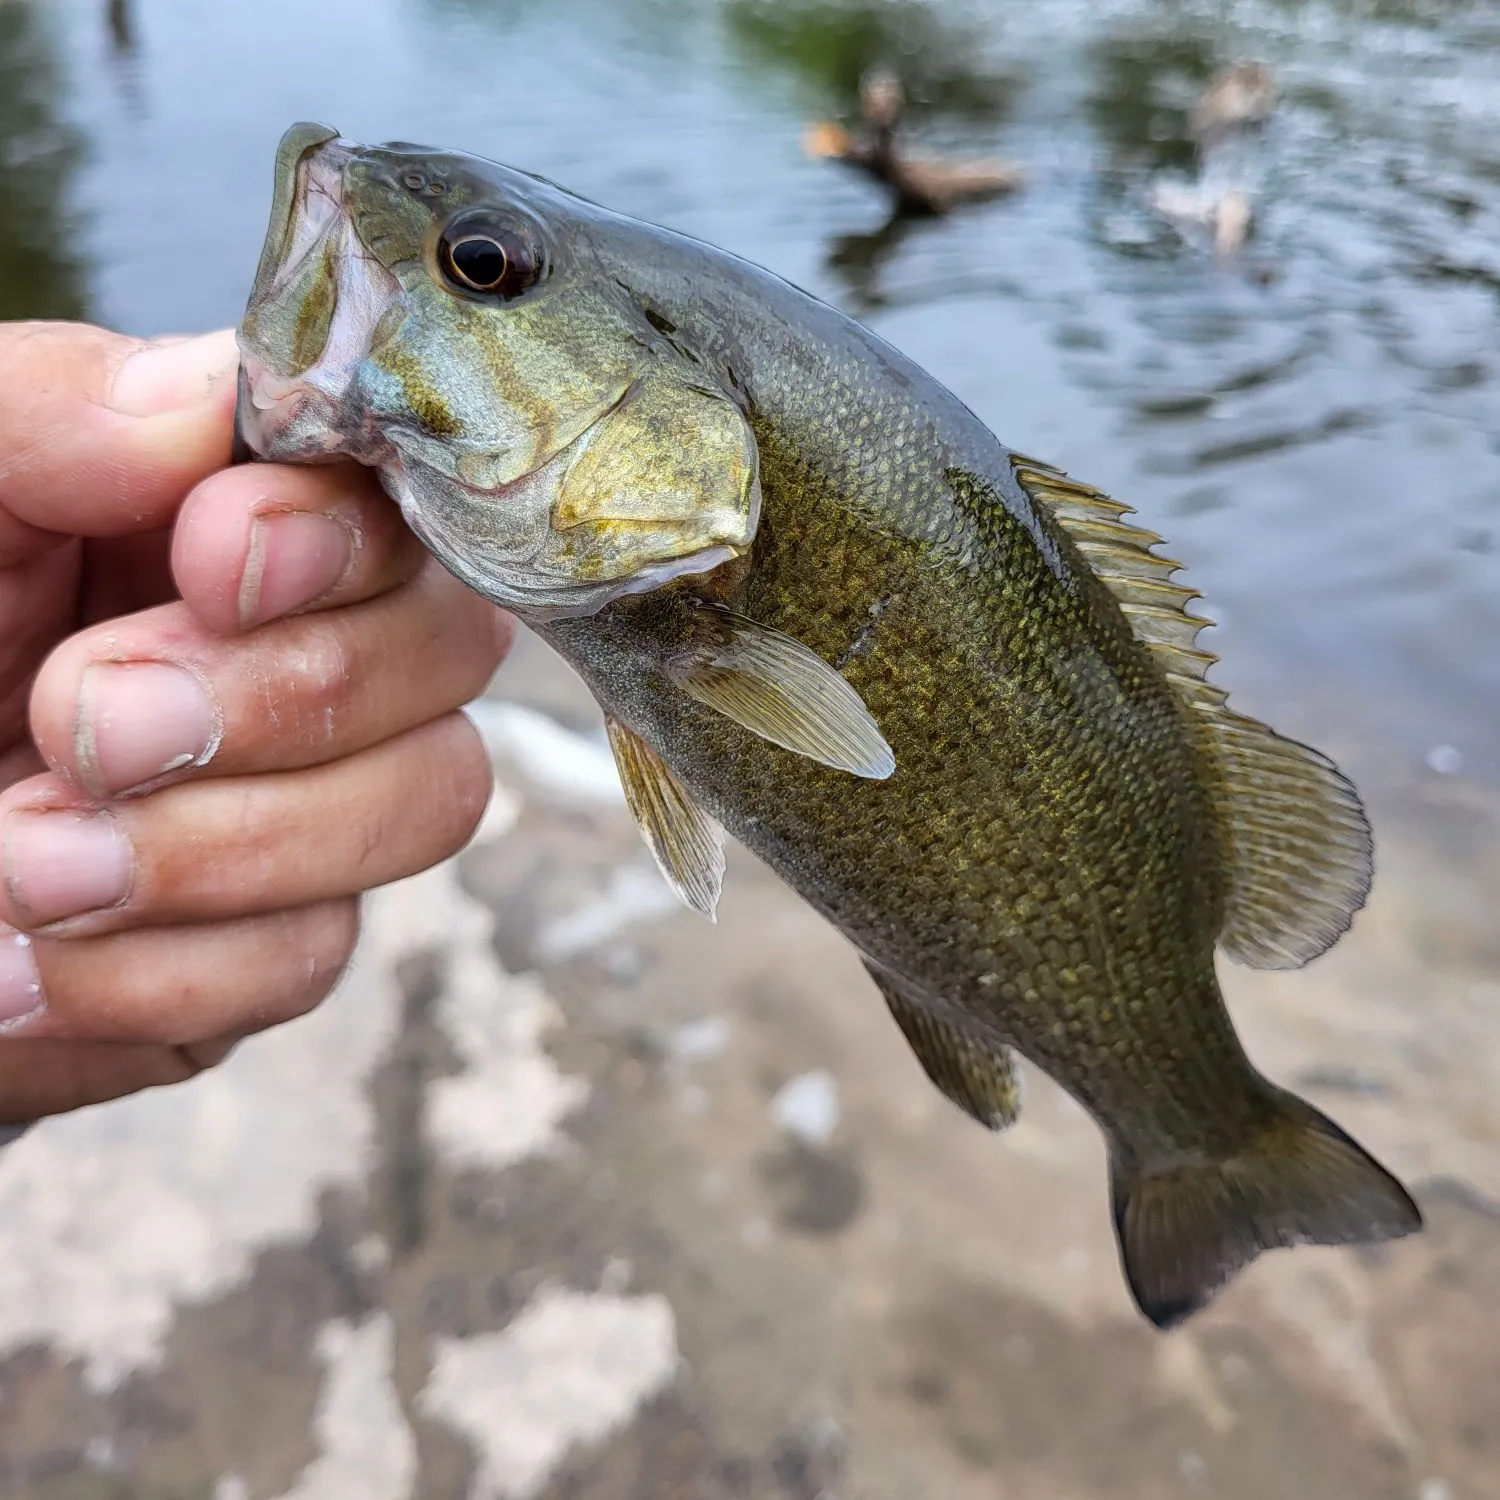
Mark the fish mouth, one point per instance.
(308, 223)
(295, 146)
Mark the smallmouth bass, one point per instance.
(949, 694)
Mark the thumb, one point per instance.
(102, 435)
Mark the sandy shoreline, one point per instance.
(568, 1193)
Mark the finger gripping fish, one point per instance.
(949, 694)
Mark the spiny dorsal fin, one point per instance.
(1121, 558)
(978, 1077)
(777, 688)
(1297, 845)
(687, 845)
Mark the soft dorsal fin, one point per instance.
(1297, 844)
(781, 690)
(687, 845)
(980, 1078)
(1302, 855)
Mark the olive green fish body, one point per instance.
(1042, 860)
(948, 694)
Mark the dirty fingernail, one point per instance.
(63, 864)
(173, 375)
(295, 557)
(20, 983)
(136, 721)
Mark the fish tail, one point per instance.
(1300, 1180)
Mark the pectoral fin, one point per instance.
(686, 843)
(978, 1076)
(779, 689)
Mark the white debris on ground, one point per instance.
(572, 1369)
(1446, 760)
(366, 1448)
(510, 1099)
(187, 1185)
(807, 1107)
(554, 759)
(636, 893)
(701, 1039)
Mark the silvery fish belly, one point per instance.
(949, 694)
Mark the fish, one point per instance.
(949, 694)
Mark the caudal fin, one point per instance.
(1300, 1181)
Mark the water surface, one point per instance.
(1313, 433)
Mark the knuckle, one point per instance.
(307, 696)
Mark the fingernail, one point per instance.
(20, 983)
(136, 721)
(295, 557)
(173, 375)
(63, 864)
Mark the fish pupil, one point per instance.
(480, 262)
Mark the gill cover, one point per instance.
(663, 485)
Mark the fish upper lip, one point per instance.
(294, 147)
(314, 210)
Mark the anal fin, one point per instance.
(687, 844)
(978, 1076)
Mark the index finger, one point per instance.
(101, 435)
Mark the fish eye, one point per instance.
(494, 262)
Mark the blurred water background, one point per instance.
(1320, 448)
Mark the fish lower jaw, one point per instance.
(287, 419)
(270, 392)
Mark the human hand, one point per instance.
(227, 707)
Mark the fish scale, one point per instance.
(949, 694)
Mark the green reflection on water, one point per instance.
(658, 25)
(1145, 83)
(829, 45)
(43, 273)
